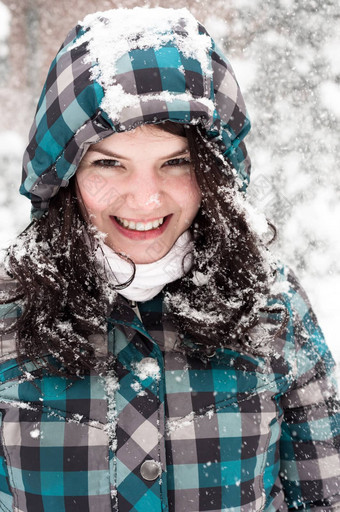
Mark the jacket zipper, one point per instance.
(135, 308)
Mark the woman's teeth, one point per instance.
(140, 226)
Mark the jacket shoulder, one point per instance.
(312, 358)
(288, 291)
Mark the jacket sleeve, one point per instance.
(9, 312)
(310, 441)
(6, 499)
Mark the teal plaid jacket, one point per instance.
(168, 432)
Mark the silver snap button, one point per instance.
(150, 470)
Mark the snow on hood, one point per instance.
(120, 69)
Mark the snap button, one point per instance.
(150, 470)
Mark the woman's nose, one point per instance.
(146, 192)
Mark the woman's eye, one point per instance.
(107, 162)
(177, 162)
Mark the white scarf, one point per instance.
(150, 278)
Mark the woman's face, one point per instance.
(140, 189)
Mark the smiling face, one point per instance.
(140, 189)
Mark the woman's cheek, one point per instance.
(188, 185)
(97, 191)
(193, 190)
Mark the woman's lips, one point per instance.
(141, 235)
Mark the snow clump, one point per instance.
(147, 367)
(111, 35)
(111, 385)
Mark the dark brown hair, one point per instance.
(226, 293)
(65, 297)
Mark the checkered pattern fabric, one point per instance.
(235, 433)
(164, 84)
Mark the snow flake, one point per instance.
(35, 433)
(210, 413)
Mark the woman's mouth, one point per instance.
(138, 230)
(140, 226)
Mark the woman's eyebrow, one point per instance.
(179, 153)
(111, 154)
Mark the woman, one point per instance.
(154, 357)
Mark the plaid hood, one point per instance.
(123, 68)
